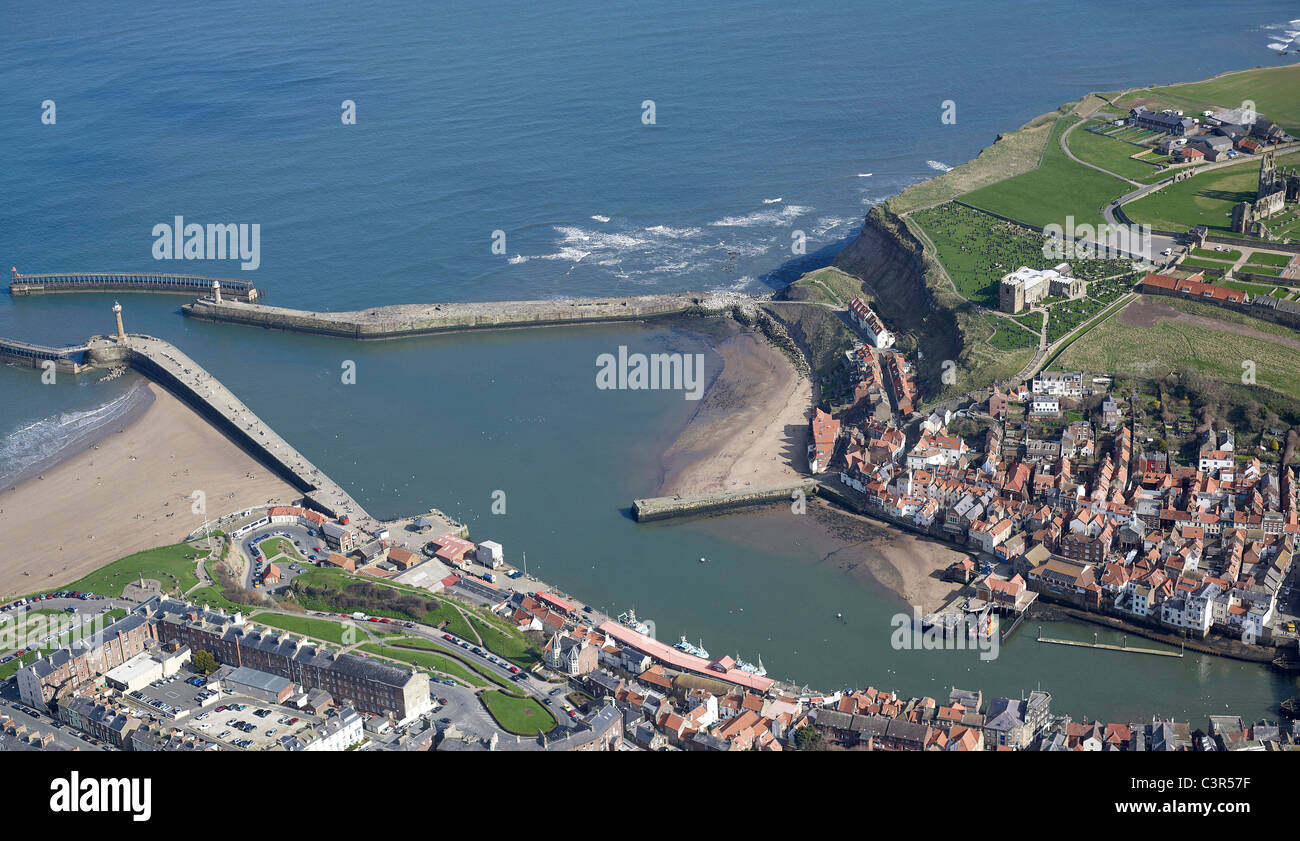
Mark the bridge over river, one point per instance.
(43, 284)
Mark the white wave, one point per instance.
(741, 284)
(1280, 47)
(517, 259)
(672, 233)
(568, 254)
(41, 439)
(600, 218)
(939, 165)
(783, 216)
(776, 200)
(826, 224)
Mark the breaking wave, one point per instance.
(783, 216)
(939, 165)
(45, 438)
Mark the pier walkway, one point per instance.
(399, 320)
(68, 359)
(167, 365)
(1108, 646)
(41, 284)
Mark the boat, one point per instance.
(1291, 707)
(693, 650)
(750, 667)
(628, 618)
(1287, 662)
(703, 560)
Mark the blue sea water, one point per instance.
(527, 118)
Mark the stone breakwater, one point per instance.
(666, 507)
(171, 368)
(424, 319)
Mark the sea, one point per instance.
(521, 150)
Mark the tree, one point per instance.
(204, 663)
(807, 738)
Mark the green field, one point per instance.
(1199, 263)
(168, 564)
(1274, 90)
(1251, 268)
(335, 591)
(1252, 288)
(518, 715)
(505, 641)
(1110, 154)
(1231, 255)
(1170, 345)
(1264, 258)
(1010, 337)
(827, 285)
(1206, 199)
(324, 629)
(1057, 189)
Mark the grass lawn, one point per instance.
(1010, 337)
(828, 285)
(1108, 153)
(1202, 263)
(1274, 90)
(1251, 268)
(505, 641)
(1169, 345)
(1264, 258)
(431, 661)
(1231, 255)
(11, 668)
(168, 564)
(332, 584)
(1205, 199)
(1252, 288)
(324, 629)
(1057, 189)
(523, 716)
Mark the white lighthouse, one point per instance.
(216, 290)
(121, 331)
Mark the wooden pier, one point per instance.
(1107, 646)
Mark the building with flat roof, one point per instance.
(260, 685)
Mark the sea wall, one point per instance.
(665, 507)
(184, 392)
(426, 319)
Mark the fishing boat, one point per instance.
(693, 650)
(750, 667)
(628, 618)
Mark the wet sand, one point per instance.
(908, 565)
(750, 430)
(122, 490)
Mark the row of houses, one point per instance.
(1196, 548)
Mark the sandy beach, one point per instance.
(751, 427)
(124, 490)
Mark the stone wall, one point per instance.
(427, 319)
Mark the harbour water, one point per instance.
(529, 121)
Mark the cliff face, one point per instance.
(889, 261)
